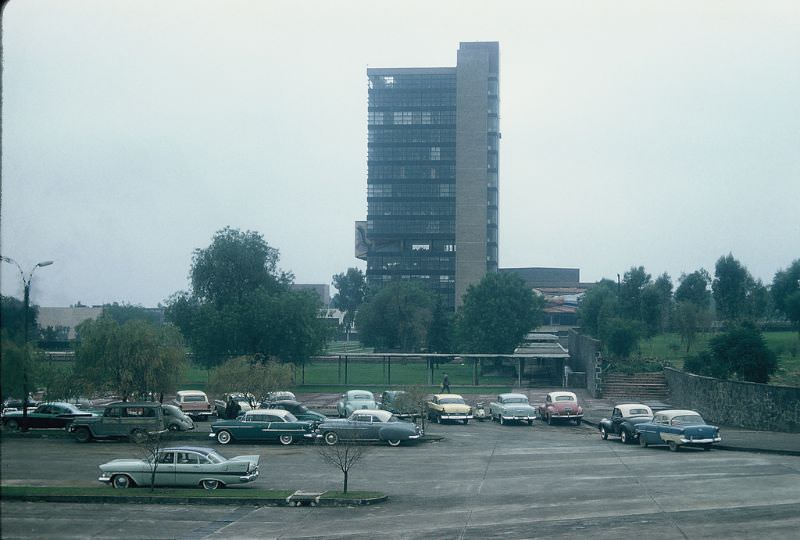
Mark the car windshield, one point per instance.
(451, 401)
(565, 398)
(194, 398)
(516, 400)
(639, 412)
(290, 417)
(687, 420)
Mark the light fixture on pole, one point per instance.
(26, 283)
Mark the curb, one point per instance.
(211, 501)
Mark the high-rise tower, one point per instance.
(432, 173)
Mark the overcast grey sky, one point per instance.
(662, 134)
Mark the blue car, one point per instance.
(677, 428)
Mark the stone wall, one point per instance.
(735, 403)
(583, 352)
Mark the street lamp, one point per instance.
(26, 283)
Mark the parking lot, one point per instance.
(482, 480)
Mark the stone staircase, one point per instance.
(636, 387)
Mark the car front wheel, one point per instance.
(603, 433)
(83, 435)
(623, 437)
(12, 425)
(286, 439)
(330, 438)
(210, 485)
(673, 446)
(121, 481)
(393, 442)
(224, 437)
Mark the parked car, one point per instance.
(279, 395)
(624, 419)
(47, 415)
(181, 466)
(368, 425)
(262, 425)
(193, 403)
(245, 401)
(300, 411)
(560, 406)
(448, 407)
(353, 400)
(398, 403)
(175, 420)
(123, 420)
(677, 428)
(512, 408)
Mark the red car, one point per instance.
(560, 406)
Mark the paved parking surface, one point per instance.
(481, 481)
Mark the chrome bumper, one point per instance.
(515, 417)
(249, 477)
(700, 441)
(105, 478)
(456, 416)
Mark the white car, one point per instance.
(512, 408)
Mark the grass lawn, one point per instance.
(786, 346)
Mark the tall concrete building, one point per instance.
(432, 173)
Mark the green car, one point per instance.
(262, 425)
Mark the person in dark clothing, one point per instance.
(232, 408)
(446, 384)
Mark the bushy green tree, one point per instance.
(250, 375)
(12, 319)
(656, 308)
(241, 304)
(694, 288)
(598, 304)
(123, 313)
(440, 334)
(744, 353)
(351, 289)
(730, 288)
(621, 336)
(129, 359)
(785, 292)
(630, 292)
(496, 314)
(396, 317)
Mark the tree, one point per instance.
(694, 288)
(397, 317)
(149, 447)
(705, 363)
(343, 455)
(622, 335)
(689, 319)
(250, 375)
(415, 400)
(598, 304)
(656, 305)
(241, 304)
(60, 380)
(351, 289)
(730, 288)
(496, 314)
(440, 333)
(129, 359)
(12, 319)
(744, 353)
(17, 361)
(785, 292)
(630, 292)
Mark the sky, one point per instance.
(634, 133)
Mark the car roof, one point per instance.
(561, 394)
(439, 396)
(512, 395)
(625, 408)
(671, 413)
(190, 393)
(354, 392)
(199, 449)
(274, 412)
(284, 402)
(380, 413)
(134, 404)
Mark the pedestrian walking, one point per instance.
(445, 384)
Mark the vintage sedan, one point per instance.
(677, 428)
(353, 400)
(366, 425)
(624, 419)
(512, 408)
(46, 415)
(300, 411)
(560, 406)
(181, 466)
(448, 407)
(262, 425)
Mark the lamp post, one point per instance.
(26, 283)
